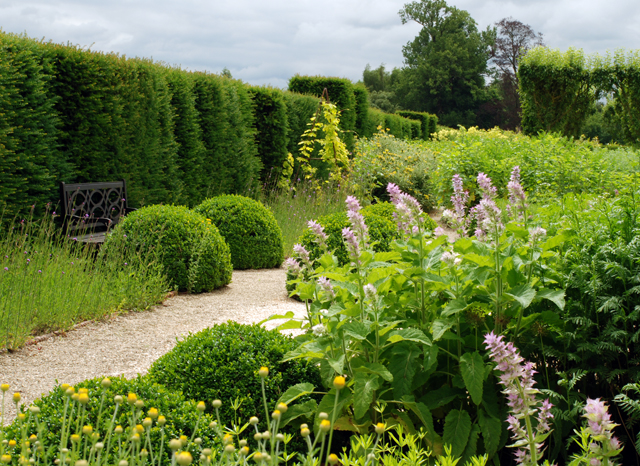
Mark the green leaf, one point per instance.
(455, 306)
(472, 369)
(402, 365)
(482, 261)
(328, 401)
(472, 445)
(360, 365)
(555, 296)
(391, 256)
(291, 324)
(524, 294)
(337, 364)
(306, 409)
(409, 334)
(356, 330)
(554, 242)
(421, 411)
(295, 392)
(288, 315)
(491, 432)
(457, 427)
(440, 327)
(365, 387)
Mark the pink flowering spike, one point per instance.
(352, 203)
(352, 244)
(292, 266)
(326, 286)
(394, 192)
(302, 254)
(488, 190)
(320, 237)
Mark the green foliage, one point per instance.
(556, 89)
(300, 109)
(192, 252)
(384, 159)
(550, 165)
(382, 231)
(29, 159)
(190, 159)
(50, 283)
(428, 123)
(181, 415)
(271, 128)
(445, 63)
(221, 362)
(362, 108)
(249, 228)
(340, 92)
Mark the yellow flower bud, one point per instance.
(207, 452)
(305, 432)
(117, 399)
(266, 435)
(144, 453)
(282, 407)
(147, 422)
(75, 396)
(139, 404)
(33, 437)
(83, 398)
(6, 459)
(263, 372)
(106, 383)
(201, 406)
(216, 404)
(12, 443)
(123, 463)
(339, 382)
(183, 439)
(244, 451)
(275, 414)
(135, 438)
(333, 458)
(162, 421)
(118, 430)
(87, 430)
(184, 458)
(380, 428)
(22, 417)
(227, 439)
(65, 387)
(139, 429)
(70, 391)
(83, 390)
(257, 457)
(75, 438)
(325, 425)
(253, 421)
(153, 413)
(34, 409)
(323, 416)
(82, 463)
(16, 397)
(175, 444)
(197, 441)
(132, 398)
(4, 387)
(229, 449)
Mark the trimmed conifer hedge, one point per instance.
(175, 136)
(428, 122)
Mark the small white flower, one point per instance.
(319, 330)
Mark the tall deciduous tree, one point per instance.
(513, 40)
(446, 64)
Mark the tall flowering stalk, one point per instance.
(597, 441)
(517, 207)
(459, 219)
(516, 375)
(487, 214)
(410, 220)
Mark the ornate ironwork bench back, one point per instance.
(90, 209)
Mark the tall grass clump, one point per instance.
(301, 202)
(50, 282)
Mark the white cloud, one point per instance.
(268, 42)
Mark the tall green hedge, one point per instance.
(29, 159)
(428, 122)
(68, 114)
(340, 92)
(271, 128)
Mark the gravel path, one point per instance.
(127, 344)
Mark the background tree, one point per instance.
(446, 64)
(381, 86)
(514, 39)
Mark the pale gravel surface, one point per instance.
(127, 344)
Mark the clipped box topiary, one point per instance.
(249, 228)
(181, 414)
(222, 362)
(191, 250)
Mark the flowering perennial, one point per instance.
(408, 212)
(517, 378)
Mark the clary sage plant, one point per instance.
(406, 327)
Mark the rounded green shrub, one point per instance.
(222, 362)
(193, 254)
(383, 230)
(181, 414)
(250, 229)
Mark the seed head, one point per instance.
(197, 441)
(99, 446)
(184, 458)
(207, 452)
(325, 425)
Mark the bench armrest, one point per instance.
(106, 222)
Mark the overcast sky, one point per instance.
(267, 42)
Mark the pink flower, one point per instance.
(302, 254)
(408, 212)
(292, 266)
(318, 231)
(326, 286)
(353, 246)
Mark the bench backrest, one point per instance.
(95, 200)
